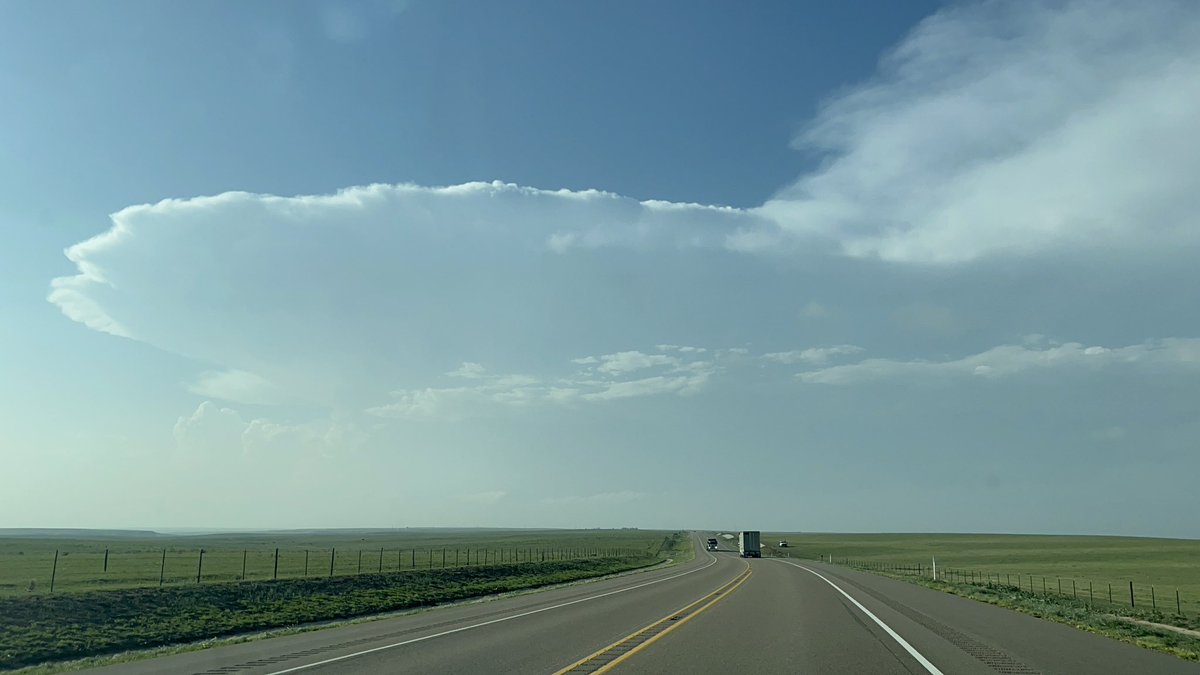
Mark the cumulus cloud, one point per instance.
(625, 362)
(210, 428)
(649, 386)
(220, 431)
(812, 355)
(469, 370)
(1007, 360)
(611, 379)
(240, 386)
(316, 295)
(1007, 127)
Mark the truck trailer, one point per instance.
(748, 545)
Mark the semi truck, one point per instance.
(748, 545)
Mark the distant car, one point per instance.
(712, 544)
(783, 544)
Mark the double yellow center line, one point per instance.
(606, 659)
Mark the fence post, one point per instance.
(1178, 610)
(54, 571)
(305, 563)
(381, 560)
(199, 565)
(1091, 598)
(1060, 585)
(414, 558)
(275, 574)
(1110, 593)
(443, 557)
(430, 558)
(1073, 591)
(332, 556)
(162, 568)
(106, 559)
(243, 564)
(359, 561)
(1044, 586)
(1153, 602)
(1132, 603)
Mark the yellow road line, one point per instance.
(607, 658)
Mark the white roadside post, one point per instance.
(934, 568)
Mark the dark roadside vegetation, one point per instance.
(46, 628)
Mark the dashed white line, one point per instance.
(933, 670)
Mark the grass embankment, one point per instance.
(1026, 572)
(43, 628)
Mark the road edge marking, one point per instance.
(722, 592)
(933, 670)
(460, 629)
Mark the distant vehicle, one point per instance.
(783, 544)
(748, 545)
(712, 544)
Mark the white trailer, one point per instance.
(748, 544)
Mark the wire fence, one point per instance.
(66, 570)
(1115, 595)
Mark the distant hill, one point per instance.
(74, 533)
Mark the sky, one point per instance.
(872, 267)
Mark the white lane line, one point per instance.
(933, 670)
(306, 666)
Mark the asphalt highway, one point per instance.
(713, 614)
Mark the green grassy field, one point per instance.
(1164, 565)
(27, 563)
(41, 627)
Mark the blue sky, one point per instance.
(597, 264)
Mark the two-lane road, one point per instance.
(713, 614)
(797, 616)
(530, 633)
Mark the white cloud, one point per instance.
(604, 382)
(240, 386)
(1012, 127)
(328, 298)
(813, 356)
(650, 386)
(626, 362)
(210, 429)
(469, 370)
(219, 431)
(1008, 360)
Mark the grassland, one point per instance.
(1164, 565)
(27, 563)
(128, 611)
(1066, 579)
